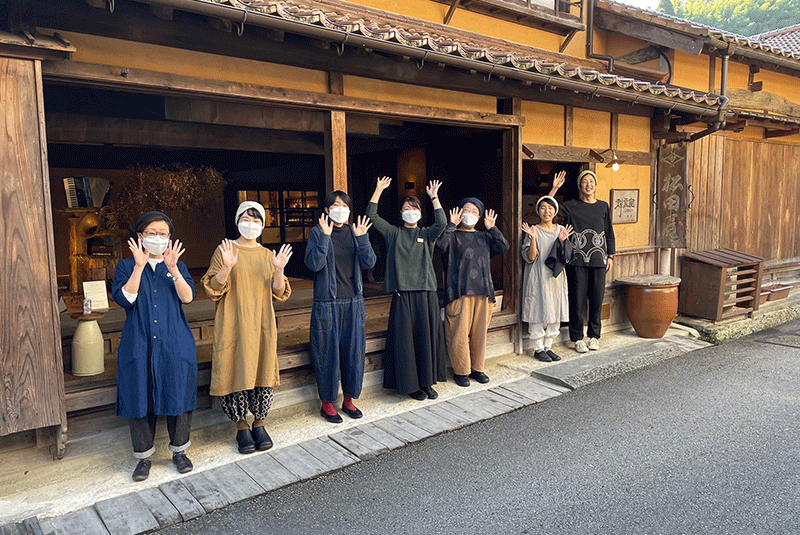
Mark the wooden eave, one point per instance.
(773, 126)
(650, 33)
(533, 16)
(41, 47)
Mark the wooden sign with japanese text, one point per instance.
(671, 196)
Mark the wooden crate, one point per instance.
(719, 284)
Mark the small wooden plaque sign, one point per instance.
(624, 206)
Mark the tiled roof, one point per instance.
(785, 38)
(670, 22)
(376, 24)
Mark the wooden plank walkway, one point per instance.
(199, 493)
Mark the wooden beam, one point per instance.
(133, 22)
(567, 40)
(335, 152)
(672, 137)
(335, 83)
(581, 155)
(451, 10)
(91, 130)
(762, 101)
(614, 132)
(257, 116)
(769, 134)
(510, 224)
(640, 56)
(649, 33)
(569, 126)
(122, 78)
(712, 73)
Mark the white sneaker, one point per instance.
(580, 347)
(594, 344)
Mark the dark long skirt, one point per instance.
(415, 348)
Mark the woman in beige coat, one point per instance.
(243, 279)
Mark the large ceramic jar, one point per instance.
(651, 302)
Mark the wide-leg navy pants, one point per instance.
(338, 343)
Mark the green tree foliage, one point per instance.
(743, 17)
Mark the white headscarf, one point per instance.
(246, 205)
(543, 197)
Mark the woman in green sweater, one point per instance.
(414, 357)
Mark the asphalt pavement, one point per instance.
(703, 443)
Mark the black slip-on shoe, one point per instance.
(332, 418)
(244, 438)
(461, 380)
(552, 356)
(355, 414)
(542, 355)
(430, 392)
(480, 377)
(419, 395)
(182, 462)
(142, 470)
(261, 438)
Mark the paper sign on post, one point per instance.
(96, 291)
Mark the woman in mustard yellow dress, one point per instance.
(244, 278)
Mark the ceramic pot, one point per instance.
(87, 349)
(651, 309)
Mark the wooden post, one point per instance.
(30, 331)
(511, 218)
(569, 126)
(335, 152)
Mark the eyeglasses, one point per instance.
(154, 234)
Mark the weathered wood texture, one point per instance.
(705, 179)
(671, 195)
(762, 101)
(30, 337)
(110, 76)
(335, 151)
(82, 129)
(745, 196)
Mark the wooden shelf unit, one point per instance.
(719, 284)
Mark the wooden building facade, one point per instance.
(289, 100)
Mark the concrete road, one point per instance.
(707, 443)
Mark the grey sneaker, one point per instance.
(594, 344)
(580, 347)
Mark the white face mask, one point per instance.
(469, 220)
(250, 230)
(411, 216)
(339, 214)
(155, 245)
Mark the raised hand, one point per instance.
(140, 254)
(171, 255)
(383, 183)
(325, 224)
(281, 258)
(528, 229)
(433, 188)
(559, 179)
(565, 232)
(362, 225)
(456, 216)
(229, 254)
(489, 219)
